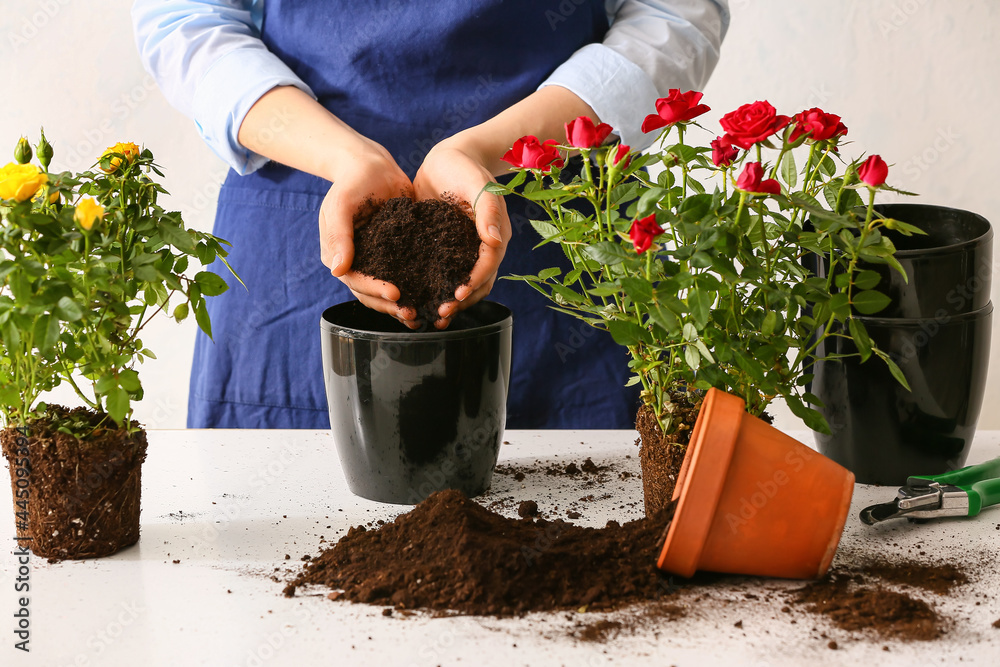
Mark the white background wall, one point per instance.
(915, 81)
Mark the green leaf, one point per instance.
(861, 339)
(700, 303)
(545, 274)
(789, 173)
(607, 252)
(118, 404)
(810, 417)
(201, 316)
(68, 310)
(128, 379)
(626, 333)
(46, 332)
(770, 323)
(210, 283)
(867, 279)
(700, 344)
(749, 366)
(663, 316)
(870, 302)
(893, 368)
(638, 289)
(604, 289)
(545, 229)
(176, 236)
(692, 357)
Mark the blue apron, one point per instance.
(405, 74)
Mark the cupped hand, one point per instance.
(365, 172)
(454, 169)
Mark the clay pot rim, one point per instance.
(942, 249)
(917, 322)
(701, 482)
(499, 319)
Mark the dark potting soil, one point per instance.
(661, 456)
(940, 579)
(451, 554)
(855, 606)
(425, 248)
(83, 496)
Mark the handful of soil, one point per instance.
(425, 248)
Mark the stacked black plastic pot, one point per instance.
(937, 330)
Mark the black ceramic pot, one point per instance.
(884, 433)
(416, 412)
(948, 269)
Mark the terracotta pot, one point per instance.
(751, 500)
(72, 501)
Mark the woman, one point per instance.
(385, 97)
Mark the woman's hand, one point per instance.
(290, 127)
(364, 171)
(456, 167)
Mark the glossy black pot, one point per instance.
(948, 269)
(884, 433)
(416, 412)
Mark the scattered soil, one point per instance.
(451, 554)
(854, 606)
(587, 475)
(661, 456)
(598, 631)
(425, 248)
(940, 579)
(83, 496)
(527, 509)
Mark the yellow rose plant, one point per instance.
(86, 261)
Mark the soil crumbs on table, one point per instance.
(425, 248)
(856, 598)
(451, 554)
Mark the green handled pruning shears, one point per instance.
(961, 492)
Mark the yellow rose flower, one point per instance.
(21, 181)
(128, 149)
(87, 213)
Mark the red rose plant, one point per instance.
(691, 255)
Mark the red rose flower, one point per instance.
(528, 153)
(723, 152)
(642, 233)
(676, 107)
(752, 123)
(581, 133)
(819, 125)
(874, 171)
(750, 180)
(620, 154)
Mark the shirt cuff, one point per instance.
(225, 95)
(618, 90)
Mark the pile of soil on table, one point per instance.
(856, 598)
(451, 554)
(425, 248)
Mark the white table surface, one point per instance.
(230, 504)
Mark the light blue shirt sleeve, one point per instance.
(651, 47)
(210, 63)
